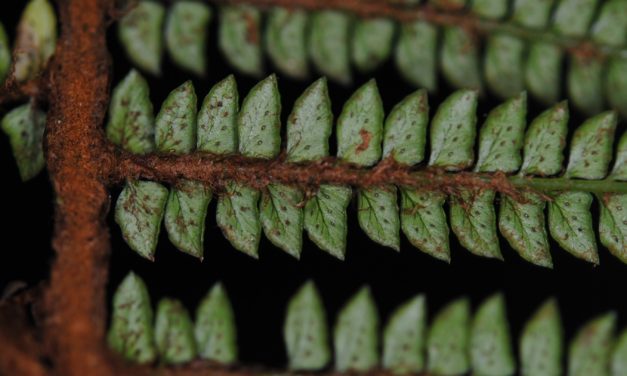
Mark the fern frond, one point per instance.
(524, 167)
(505, 45)
(455, 341)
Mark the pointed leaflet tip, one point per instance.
(175, 130)
(326, 219)
(305, 330)
(131, 120)
(328, 41)
(355, 336)
(541, 342)
(415, 53)
(25, 126)
(591, 147)
(372, 42)
(285, 38)
(378, 215)
(570, 224)
(501, 136)
(36, 39)
(139, 211)
(239, 37)
(405, 337)
(309, 124)
(215, 329)
(360, 126)
(281, 217)
(405, 133)
(589, 352)
(131, 332)
(545, 141)
(186, 35)
(217, 118)
(453, 130)
(174, 333)
(447, 341)
(259, 121)
(490, 343)
(237, 216)
(141, 36)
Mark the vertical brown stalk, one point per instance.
(75, 302)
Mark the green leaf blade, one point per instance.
(541, 342)
(619, 356)
(281, 217)
(585, 84)
(378, 215)
(591, 147)
(25, 126)
(453, 131)
(543, 71)
(305, 331)
(139, 211)
(215, 330)
(448, 340)
(36, 39)
(239, 38)
(286, 40)
(174, 333)
(532, 13)
(570, 223)
(140, 34)
(522, 224)
(131, 120)
(372, 42)
(404, 337)
(501, 137)
(325, 219)
(619, 171)
(131, 332)
(590, 350)
(613, 224)
(405, 132)
(185, 214)
(310, 123)
(490, 343)
(217, 119)
(360, 127)
(573, 17)
(503, 66)
(616, 85)
(610, 26)
(175, 125)
(259, 121)
(355, 336)
(545, 141)
(423, 221)
(459, 58)
(473, 221)
(237, 215)
(415, 54)
(328, 42)
(186, 36)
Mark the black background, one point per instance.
(260, 289)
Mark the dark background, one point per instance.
(260, 289)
